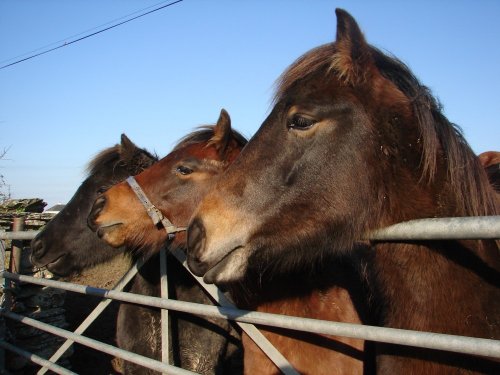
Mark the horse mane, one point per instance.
(442, 141)
(105, 157)
(113, 156)
(205, 133)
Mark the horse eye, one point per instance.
(102, 189)
(300, 122)
(183, 170)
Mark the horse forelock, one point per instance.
(106, 157)
(204, 134)
(113, 156)
(443, 143)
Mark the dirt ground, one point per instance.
(78, 307)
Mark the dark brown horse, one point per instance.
(66, 245)
(355, 143)
(175, 185)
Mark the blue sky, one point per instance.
(160, 76)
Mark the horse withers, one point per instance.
(355, 143)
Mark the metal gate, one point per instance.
(425, 229)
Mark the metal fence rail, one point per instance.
(36, 359)
(447, 228)
(424, 229)
(444, 228)
(459, 344)
(106, 348)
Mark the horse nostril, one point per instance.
(37, 249)
(95, 211)
(196, 244)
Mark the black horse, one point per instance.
(67, 246)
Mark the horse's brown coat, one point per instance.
(354, 143)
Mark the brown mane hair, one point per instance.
(205, 133)
(113, 155)
(443, 141)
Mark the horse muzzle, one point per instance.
(220, 265)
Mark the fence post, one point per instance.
(17, 246)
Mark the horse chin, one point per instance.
(230, 268)
(54, 266)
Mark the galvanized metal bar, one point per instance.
(471, 228)
(439, 341)
(257, 337)
(120, 285)
(94, 344)
(164, 312)
(450, 228)
(25, 235)
(36, 359)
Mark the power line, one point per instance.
(82, 33)
(91, 34)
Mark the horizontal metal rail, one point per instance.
(255, 335)
(120, 285)
(36, 359)
(94, 344)
(444, 228)
(438, 341)
(19, 235)
(448, 228)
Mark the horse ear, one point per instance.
(134, 158)
(489, 158)
(127, 147)
(352, 59)
(222, 133)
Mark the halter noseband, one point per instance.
(154, 213)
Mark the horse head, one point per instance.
(66, 245)
(174, 186)
(354, 143)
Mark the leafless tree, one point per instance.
(4, 187)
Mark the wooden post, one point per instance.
(17, 246)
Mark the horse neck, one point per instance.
(424, 286)
(338, 282)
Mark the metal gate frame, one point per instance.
(471, 228)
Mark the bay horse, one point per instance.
(67, 246)
(175, 185)
(355, 143)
